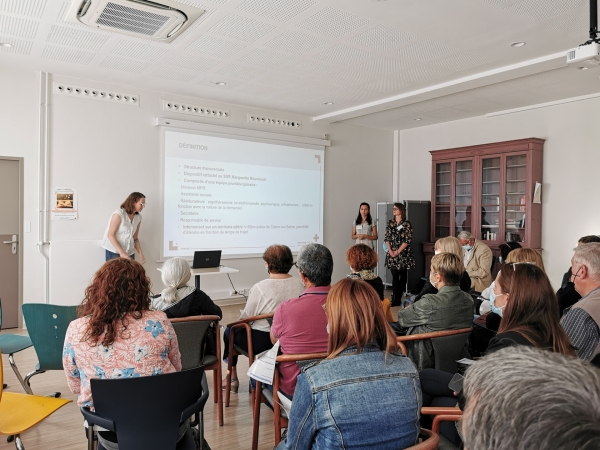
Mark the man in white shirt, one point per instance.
(478, 260)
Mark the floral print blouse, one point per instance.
(149, 347)
(397, 234)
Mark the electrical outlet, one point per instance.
(233, 293)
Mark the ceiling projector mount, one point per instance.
(161, 20)
(587, 55)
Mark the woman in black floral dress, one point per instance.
(399, 257)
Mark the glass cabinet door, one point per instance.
(463, 196)
(490, 200)
(442, 199)
(515, 204)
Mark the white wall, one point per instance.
(108, 150)
(570, 207)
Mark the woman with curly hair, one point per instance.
(362, 260)
(116, 335)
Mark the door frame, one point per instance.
(21, 162)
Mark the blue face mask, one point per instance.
(467, 247)
(495, 309)
(500, 259)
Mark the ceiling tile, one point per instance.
(349, 77)
(18, 46)
(14, 26)
(138, 50)
(421, 74)
(543, 9)
(76, 38)
(175, 73)
(342, 54)
(260, 90)
(212, 46)
(352, 95)
(194, 61)
(67, 54)
(383, 65)
(310, 68)
(382, 38)
(425, 50)
(333, 22)
(463, 61)
(124, 65)
(242, 28)
(294, 42)
(240, 72)
(229, 83)
(29, 8)
(265, 58)
(279, 10)
(386, 85)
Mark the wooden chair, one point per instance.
(429, 441)
(235, 350)
(264, 395)
(191, 332)
(447, 346)
(442, 414)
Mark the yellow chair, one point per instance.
(20, 412)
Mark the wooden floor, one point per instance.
(64, 429)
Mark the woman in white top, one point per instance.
(364, 229)
(121, 235)
(264, 297)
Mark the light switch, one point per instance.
(27, 226)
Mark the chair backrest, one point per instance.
(47, 326)
(147, 411)
(447, 350)
(191, 332)
(429, 441)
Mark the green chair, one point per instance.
(47, 326)
(11, 344)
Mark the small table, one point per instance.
(197, 273)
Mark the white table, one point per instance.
(197, 273)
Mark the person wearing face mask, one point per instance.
(449, 309)
(505, 249)
(478, 260)
(264, 298)
(525, 299)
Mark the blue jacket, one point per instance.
(356, 401)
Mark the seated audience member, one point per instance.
(117, 335)
(526, 301)
(447, 245)
(524, 398)
(300, 324)
(362, 260)
(478, 260)
(567, 295)
(264, 297)
(365, 394)
(582, 321)
(178, 299)
(505, 249)
(449, 309)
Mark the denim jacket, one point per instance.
(356, 401)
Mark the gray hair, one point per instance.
(175, 274)
(589, 256)
(465, 235)
(316, 263)
(522, 398)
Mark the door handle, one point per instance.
(14, 243)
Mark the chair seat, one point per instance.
(20, 412)
(240, 350)
(209, 360)
(445, 444)
(13, 343)
(268, 395)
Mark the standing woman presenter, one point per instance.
(363, 228)
(121, 235)
(399, 257)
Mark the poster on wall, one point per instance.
(64, 204)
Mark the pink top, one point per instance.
(150, 348)
(300, 325)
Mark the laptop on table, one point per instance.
(206, 259)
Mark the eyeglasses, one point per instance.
(513, 264)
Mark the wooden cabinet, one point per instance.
(487, 190)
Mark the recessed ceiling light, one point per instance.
(582, 68)
(5, 45)
(328, 103)
(418, 118)
(220, 83)
(517, 44)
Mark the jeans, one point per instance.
(399, 278)
(110, 255)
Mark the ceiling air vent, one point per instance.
(159, 21)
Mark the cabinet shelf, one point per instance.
(517, 165)
(515, 181)
(490, 168)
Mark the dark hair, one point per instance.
(279, 258)
(590, 238)
(532, 308)
(359, 217)
(402, 209)
(361, 257)
(506, 248)
(131, 200)
(119, 288)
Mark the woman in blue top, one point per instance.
(365, 394)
